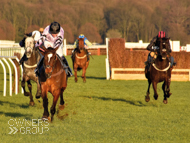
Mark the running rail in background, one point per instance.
(9, 51)
(10, 58)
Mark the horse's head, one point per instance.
(164, 47)
(29, 46)
(49, 62)
(80, 43)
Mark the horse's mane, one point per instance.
(50, 50)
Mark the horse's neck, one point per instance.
(161, 63)
(33, 59)
(58, 64)
(82, 51)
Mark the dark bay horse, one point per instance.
(53, 79)
(80, 59)
(29, 65)
(160, 71)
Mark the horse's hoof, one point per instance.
(38, 96)
(45, 118)
(75, 80)
(27, 94)
(61, 107)
(165, 101)
(84, 81)
(155, 97)
(31, 103)
(168, 95)
(147, 99)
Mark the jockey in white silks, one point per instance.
(53, 36)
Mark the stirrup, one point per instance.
(70, 74)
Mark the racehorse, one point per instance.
(160, 71)
(53, 79)
(33, 56)
(80, 59)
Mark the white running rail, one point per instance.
(10, 58)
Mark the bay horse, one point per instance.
(160, 71)
(80, 59)
(29, 65)
(53, 79)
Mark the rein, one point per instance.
(56, 73)
(162, 69)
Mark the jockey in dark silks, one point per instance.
(36, 35)
(152, 47)
(52, 36)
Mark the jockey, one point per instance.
(52, 36)
(86, 44)
(22, 42)
(152, 47)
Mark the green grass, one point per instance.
(103, 111)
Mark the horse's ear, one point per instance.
(25, 35)
(34, 35)
(77, 38)
(43, 47)
(55, 49)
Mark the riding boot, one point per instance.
(39, 66)
(88, 54)
(171, 59)
(73, 54)
(146, 63)
(24, 58)
(66, 67)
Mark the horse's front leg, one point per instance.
(30, 89)
(147, 97)
(75, 70)
(83, 74)
(38, 93)
(154, 84)
(23, 86)
(62, 102)
(168, 93)
(55, 98)
(45, 104)
(164, 90)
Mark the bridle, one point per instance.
(48, 75)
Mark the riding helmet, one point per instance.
(162, 34)
(54, 28)
(81, 36)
